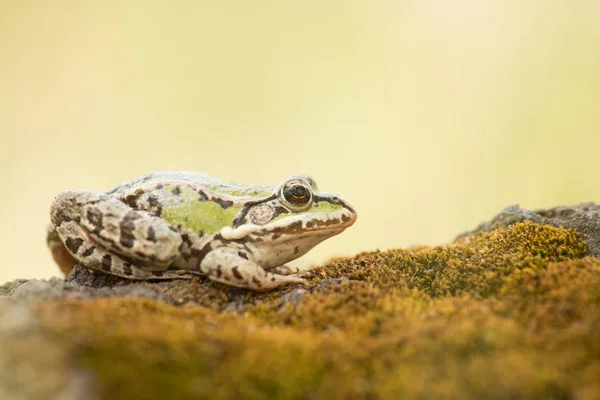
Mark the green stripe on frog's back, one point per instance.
(240, 190)
(211, 183)
(201, 214)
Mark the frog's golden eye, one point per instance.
(296, 195)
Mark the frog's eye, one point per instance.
(308, 179)
(296, 195)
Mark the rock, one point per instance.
(36, 289)
(82, 283)
(56, 288)
(132, 290)
(294, 298)
(331, 282)
(509, 314)
(9, 287)
(33, 364)
(82, 276)
(584, 217)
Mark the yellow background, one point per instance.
(428, 116)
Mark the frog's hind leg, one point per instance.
(146, 240)
(95, 257)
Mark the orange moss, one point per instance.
(514, 313)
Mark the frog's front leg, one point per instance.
(108, 223)
(226, 266)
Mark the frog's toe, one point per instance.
(304, 274)
(285, 270)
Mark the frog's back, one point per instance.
(200, 179)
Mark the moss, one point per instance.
(514, 313)
(476, 265)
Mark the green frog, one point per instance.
(179, 224)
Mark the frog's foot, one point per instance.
(110, 224)
(226, 266)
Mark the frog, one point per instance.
(184, 224)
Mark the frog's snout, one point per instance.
(348, 213)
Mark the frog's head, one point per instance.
(291, 221)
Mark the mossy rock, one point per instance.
(509, 314)
(584, 218)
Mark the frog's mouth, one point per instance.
(328, 220)
(327, 223)
(295, 226)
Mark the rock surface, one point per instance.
(584, 218)
(511, 313)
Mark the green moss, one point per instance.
(510, 314)
(476, 265)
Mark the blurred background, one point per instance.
(428, 116)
